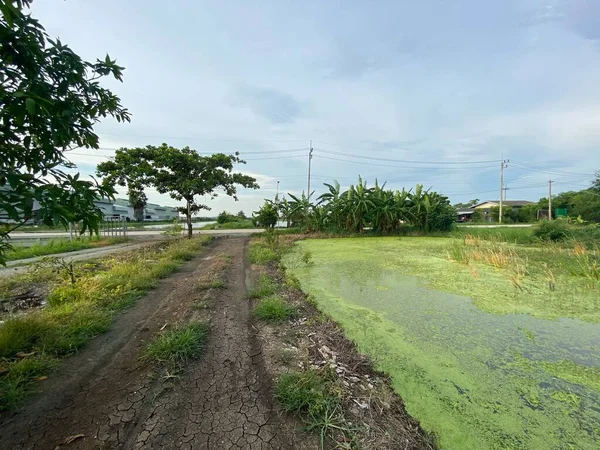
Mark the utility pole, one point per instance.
(503, 165)
(550, 199)
(310, 152)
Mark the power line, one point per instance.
(401, 167)
(550, 171)
(331, 152)
(252, 152)
(201, 139)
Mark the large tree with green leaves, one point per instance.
(50, 100)
(182, 173)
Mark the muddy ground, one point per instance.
(105, 398)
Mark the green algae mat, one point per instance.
(482, 361)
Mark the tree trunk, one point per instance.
(138, 213)
(188, 218)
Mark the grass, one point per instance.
(54, 246)
(273, 309)
(264, 287)
(236, 225)
(216, 283)
(178, 345)
(77, 312)
(258, 253)
(314, 398)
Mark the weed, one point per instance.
(307, 258)
(216, 283)
(286, 356)
(273, 309)
(199, 305)
(259, 254)
(21, 374)
(177, 345)
(313, 397)
(264, 287)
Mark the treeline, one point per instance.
(360, 207)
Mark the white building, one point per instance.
(121, 208)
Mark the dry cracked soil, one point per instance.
(105, 397)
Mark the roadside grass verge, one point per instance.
(235, 225)
(273, 309)
(178, 345)
(54, 246)
(258, 253)
(80, 310)
(264, 287)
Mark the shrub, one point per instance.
(552, 230)
(273, 309)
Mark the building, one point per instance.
(465, 215)
(121, 208)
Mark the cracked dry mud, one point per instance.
(222, 401)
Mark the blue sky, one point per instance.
(446, 83)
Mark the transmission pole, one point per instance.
(503, 165)
(550, 199)
(310, 152)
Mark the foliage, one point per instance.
(273, 309)
(183, 174)
(584, 203)
(50, 100)
(554, 230)
(178, 345)
(174, 229)
(360, 207)
(267, 215)
(238, 224)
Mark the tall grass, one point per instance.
(178, 345)
(77, 312)
(273, 309)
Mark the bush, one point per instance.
(554, 230)
(267, 215)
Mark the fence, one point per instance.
(114, 227)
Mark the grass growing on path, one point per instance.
(77, 312)
(54, 246)
(273, 309)
(178, 345)
(264, 287)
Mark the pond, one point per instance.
(474, 379)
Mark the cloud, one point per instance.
(275, 106)
(582, 17)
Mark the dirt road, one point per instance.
(104, 397)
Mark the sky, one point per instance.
(431, 92)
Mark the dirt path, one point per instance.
(222, 401)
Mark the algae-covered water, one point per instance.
(477, 380)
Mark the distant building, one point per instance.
(465, 215)
(121, 208)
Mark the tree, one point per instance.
(185, 175)
(128, 169)
(468, 204)
(267, 215)
(50, 100)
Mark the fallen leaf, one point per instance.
(41, 378)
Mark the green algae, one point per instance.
(474, 379)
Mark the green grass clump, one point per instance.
(178, 345)
(77, 312)
(54, 246)
(260, 254)
(21, 375)
(234, 225)
(312, 397)
(273, 309)
(264, 287)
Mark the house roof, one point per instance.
(505, 202)
(464, 211)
